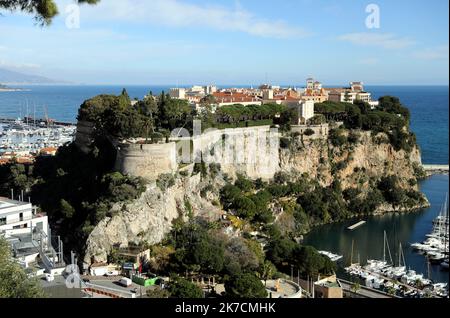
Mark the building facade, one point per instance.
(17, 217)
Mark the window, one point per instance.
(3, 220)
(22, 226)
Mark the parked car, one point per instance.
(125, 282)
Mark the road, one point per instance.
(364, 291)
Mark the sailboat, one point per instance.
(377, 265)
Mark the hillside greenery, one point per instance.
(14, 282)
(155, 117)
(76, 190)
(390, 117)
(198, 248)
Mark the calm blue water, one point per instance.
(404, 228)
(430, 121)
(428, 105)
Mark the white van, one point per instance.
(125, 282)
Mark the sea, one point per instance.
(429, 106)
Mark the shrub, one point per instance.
(165, 181)
(182, 288)
(285, 143)
(337, 138)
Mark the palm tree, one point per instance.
(356, 287)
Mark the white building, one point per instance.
(178, 93)
(306, 110)
(210, 89)
(28, 233)
(352, 94)
(17, 217)
(268, 94)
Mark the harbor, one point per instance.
(408, 266)
(23, 139)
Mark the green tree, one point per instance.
(182, 288)
(280, 249)
(66, 209)
(310, 262)
(243, 183)
(14, 282)
(43, 10)
(245, 285)
(267, 271)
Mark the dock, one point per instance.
(34, 121)
(435, 169)
(355, 226)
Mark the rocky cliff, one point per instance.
(355, 164)
(149, 218)
(352, 163)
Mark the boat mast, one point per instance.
(27, 111)
(386, 243)
(401, 256)
(351, 255)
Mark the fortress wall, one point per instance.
(320, 131)
(83, 137)
(249, 151)
(147, 160)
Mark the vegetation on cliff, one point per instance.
(76, 190)
(198, 248)
(14, 282)
(390, 117)
(296, 204)
(155, 117)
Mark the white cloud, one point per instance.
(383, 40)
(175, 13)
(435, 53)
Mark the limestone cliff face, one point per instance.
(149, 218)
(353, 164)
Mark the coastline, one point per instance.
(6, 90)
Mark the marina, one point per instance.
(23, 139)
(333, 257)
(395, 277)
(436, 247)
(372, 265)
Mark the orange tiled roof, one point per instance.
(24, 160)
(49, 149)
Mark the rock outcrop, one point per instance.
(149, 218)
(351, 164)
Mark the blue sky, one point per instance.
(234, 42)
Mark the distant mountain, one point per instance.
(13, 77)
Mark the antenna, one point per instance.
(27, 112)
